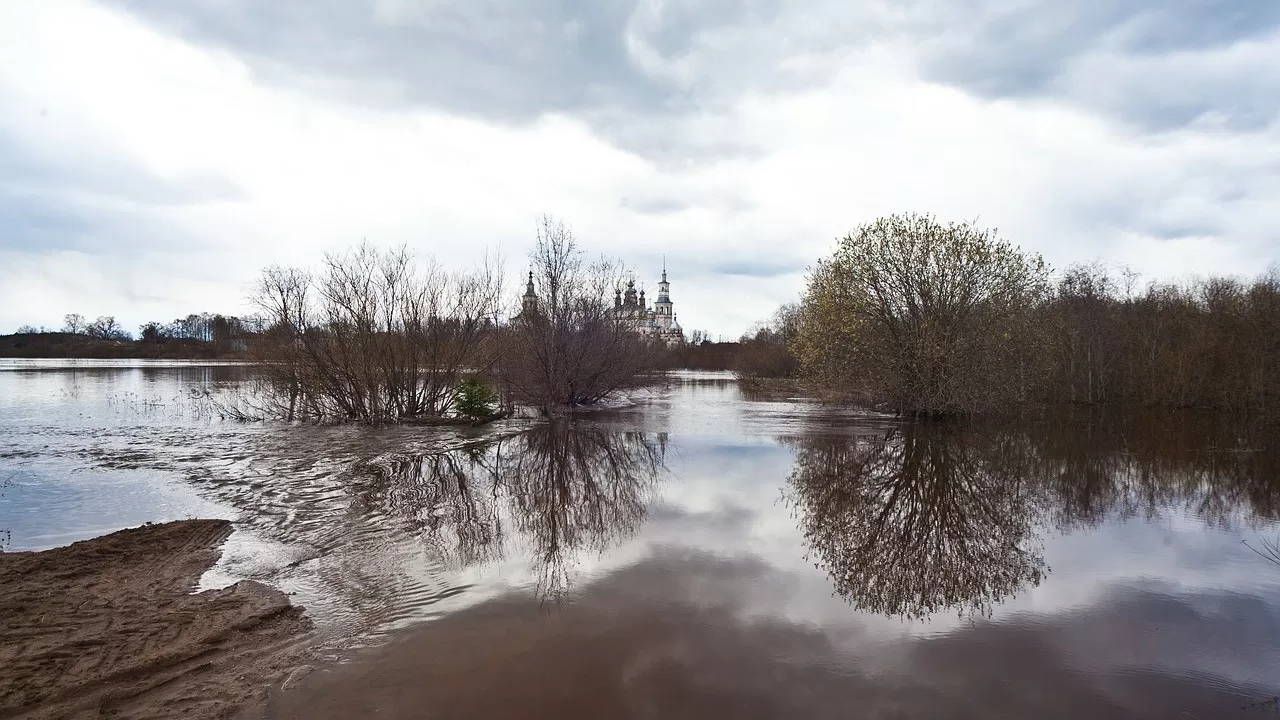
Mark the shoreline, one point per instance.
(110, 626)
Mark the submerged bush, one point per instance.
(373, 337)
(924, 317)
(567, 347)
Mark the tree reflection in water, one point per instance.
(924, 517)
(578, 489)
(1222, 470)
(919, 519)
(564, 487)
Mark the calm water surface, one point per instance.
(698, 554)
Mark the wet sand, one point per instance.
(109, 627)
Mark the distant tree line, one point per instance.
(762, 352)
(203, 335)
(701, 353)
(1211, 343)
(913, 315)
(104, 328)
(765, 350)
(219, 330)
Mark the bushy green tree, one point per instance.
(925, 317)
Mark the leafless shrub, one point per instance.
(372, 336)
(569, 349)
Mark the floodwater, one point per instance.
(696, 554)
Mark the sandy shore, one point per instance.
(109, 627)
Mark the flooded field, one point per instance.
(699, 553)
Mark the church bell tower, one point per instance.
(663, 307)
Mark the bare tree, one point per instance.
(569, 348)
(106, 328)
(74, 324)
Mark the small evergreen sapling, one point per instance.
(475, 399)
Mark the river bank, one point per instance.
(110, 626)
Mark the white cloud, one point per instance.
(122, 116)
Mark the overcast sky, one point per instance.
(154, 155)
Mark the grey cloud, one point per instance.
(1242, 114)
(44, 221)
(655, 205)
(1141, 210)
(636, 70)
(39, 222)
(758, 268)
(501, 59)
(660, 203)
(1176, 25)
(1217, 196)
(1234, 92)
(95, 205)
(1017, 51)
(36, 226)
(1030, 51)
(505, 60)
(498, 58)
(688, 268)
(665, 136)
(1173, 231)
(107, 178)
(672, 28)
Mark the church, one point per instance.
(658, 322)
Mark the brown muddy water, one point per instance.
(696, 554)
